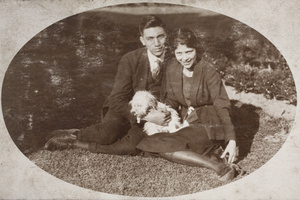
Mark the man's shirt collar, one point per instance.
(152, 58)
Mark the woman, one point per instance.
(196, 91)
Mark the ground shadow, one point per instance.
(246, 123)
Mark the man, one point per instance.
(142, 69)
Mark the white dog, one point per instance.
(143, 102)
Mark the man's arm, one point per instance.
(171, 99)
(122, 91)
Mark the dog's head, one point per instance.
(141, 103)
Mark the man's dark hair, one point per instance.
(150, 21)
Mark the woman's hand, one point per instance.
(231, 150)
(159, 117)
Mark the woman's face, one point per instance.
(186, 56)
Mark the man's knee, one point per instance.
(124, 146)
(106, 132)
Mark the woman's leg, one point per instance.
(227, 172)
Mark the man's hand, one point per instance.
(231, 150)
(159, 117)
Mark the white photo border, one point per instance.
(277, 20)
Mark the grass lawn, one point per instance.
(259, 136)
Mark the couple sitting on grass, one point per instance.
(179, 77)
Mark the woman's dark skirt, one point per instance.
(192, 138)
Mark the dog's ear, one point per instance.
(152, 102)
(132, 107)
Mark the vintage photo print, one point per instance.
(69, 71)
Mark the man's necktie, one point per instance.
(156, 70)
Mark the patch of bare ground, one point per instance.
(276, 109)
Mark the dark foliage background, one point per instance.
(62, 76)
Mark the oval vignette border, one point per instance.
(22, 179)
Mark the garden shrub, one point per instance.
(249, 62)
(271, 83)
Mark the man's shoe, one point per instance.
(60, 132)
(61, 140)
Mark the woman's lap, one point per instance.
(189, 138)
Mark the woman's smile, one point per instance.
(187, 62)
(185, 56)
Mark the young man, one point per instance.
(118, 132)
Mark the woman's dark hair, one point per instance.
(185, 36)
(150, 21)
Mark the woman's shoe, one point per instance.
(228, 172)
(238, 169)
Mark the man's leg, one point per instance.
(124, 146)
(111, 129)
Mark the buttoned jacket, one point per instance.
(132, 76)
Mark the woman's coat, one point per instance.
(208, 97)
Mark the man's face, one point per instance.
(154, 39)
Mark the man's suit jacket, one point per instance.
(208, 96)
(132, 76)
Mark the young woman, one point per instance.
(195, 89)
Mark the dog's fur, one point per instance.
(144, 102)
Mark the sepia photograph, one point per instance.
(146, 100)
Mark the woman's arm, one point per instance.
(222, 105)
